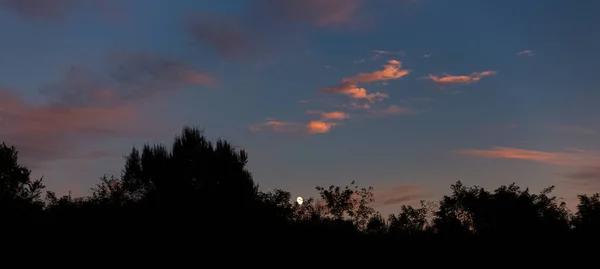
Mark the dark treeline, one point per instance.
(197, 188)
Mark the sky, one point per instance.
(407, 96)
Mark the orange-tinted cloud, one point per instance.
(333, 115)
(450, 79)
(399, 195)
(525, 53)
(350, 86)
(320, 127)
(312, 127)
(572, 157)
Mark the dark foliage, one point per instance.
(196, 191)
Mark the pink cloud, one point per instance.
(49, 131)
(450, 79)
(569, 157)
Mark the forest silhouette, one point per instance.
(200, 189)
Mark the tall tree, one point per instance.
(15, 179)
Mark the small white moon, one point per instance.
(299, 200)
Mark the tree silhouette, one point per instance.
(197, 189)
(586, 220)
(508, 212)
(15, 181)
(20, 196)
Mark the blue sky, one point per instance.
(487, 92)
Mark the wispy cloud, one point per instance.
(525, 53)
(401, 53)
(574, 129)
(277, 126)
(451, 79)
(571, 157)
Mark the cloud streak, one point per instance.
(570, 157)
(399, 195)
(333, 115)
(574, 129)
(525, 53)
(312, 127)
(451, 79)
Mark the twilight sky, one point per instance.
(408, 96)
